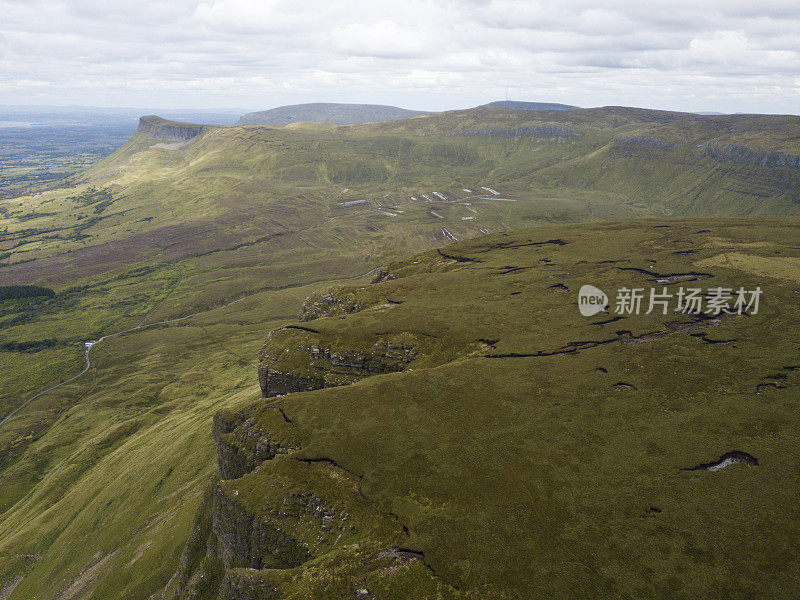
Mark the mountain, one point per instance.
(519, 105)
(455, 414)
(169, 130)
(459, 430)
(178, 189)
(338, 114)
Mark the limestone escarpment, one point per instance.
(400, 440)
(171, 131)
(295, 360)
(742, 154)
(241, 447)
(641, 141)
(252, 532)
(538, 131)
(246, 541)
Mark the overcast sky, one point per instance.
(704, 55)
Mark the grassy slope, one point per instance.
(252, 212)
(241, 183)
(542, 476)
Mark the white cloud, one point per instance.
(384, 39)
(681, 54)
(256, 16)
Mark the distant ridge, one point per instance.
(338, 114)
(517, 105)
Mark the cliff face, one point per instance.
(277, 504)
(298, 359)
(275, 510)
(541, 131)
(641, 141)
(240, 446)
(245, 541)
(744, 155)
(170, 130)
(335, 367)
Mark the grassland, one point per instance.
(530, 452)
(102, 477)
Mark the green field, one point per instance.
(472, 440)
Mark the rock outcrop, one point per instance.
(641, 141)
(237, 586)
(332, 303)
(534, 132)
(383, 274)
(744, 155)
(240, 446)
(293, 360)
(277, 383)
(246, 541)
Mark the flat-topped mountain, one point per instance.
(519, 105)
(172, 131)
(329, 112)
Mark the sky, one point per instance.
(700, 55)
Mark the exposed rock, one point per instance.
(385, 357)
(292, 362)
(241, 447)
(332, 303)
(534, 132)
(640, 141)
(277, 383)
(621, 386)
(742, 154)
(246, 541)
(401, 553)
(383, 274)
(235, 586)
(199, 568)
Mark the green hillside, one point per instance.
(473, 436)
(176, 256)
(235, 185)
